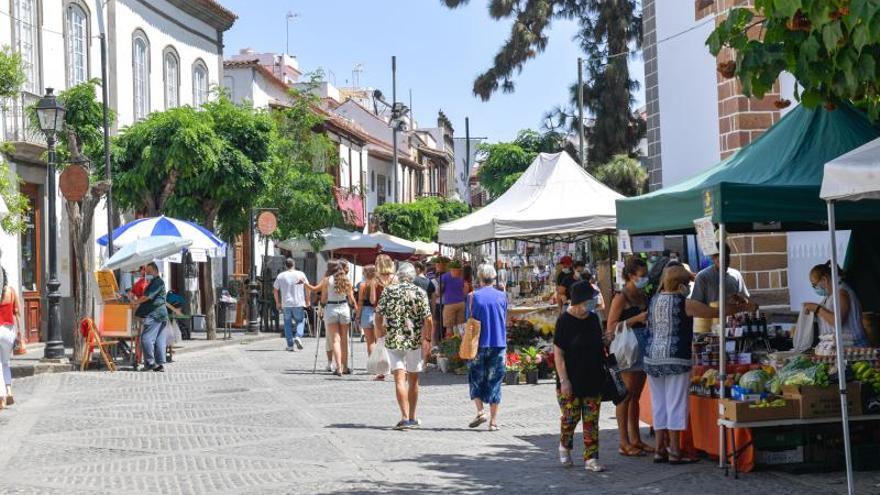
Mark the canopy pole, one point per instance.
(610, 273)
(838, 331)
(495, 248)
(722, 311)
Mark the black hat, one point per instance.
(581, 292)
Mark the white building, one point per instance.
(161, 54)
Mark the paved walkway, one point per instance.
(254, 419)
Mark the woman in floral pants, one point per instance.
(579, 356)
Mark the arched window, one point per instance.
(172, 78)
(77, 25)
(200, 83)
(140, 61)
(24, 30)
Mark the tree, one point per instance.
(206, 165)
(832, 47)
(503, 163)
(12, 77)
(624, 174)
(421, 219)
(607, 28)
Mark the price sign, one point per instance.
(706, 236)
(74, 182)
(623, 242)
(267, 223)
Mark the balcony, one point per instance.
(15, 127)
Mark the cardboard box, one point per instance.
(741, 412)
(823, 402)
(117, 321)
(777, 457)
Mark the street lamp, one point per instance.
(50, 114)
(397, 123)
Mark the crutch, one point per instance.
(351, 332)
(317, 328)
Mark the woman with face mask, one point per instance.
(630, 306)
(579, 356)
(850, 309)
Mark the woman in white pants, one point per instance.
(9, 313)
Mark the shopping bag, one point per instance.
(470, 342)
(379, 363)
(613, 388)
(172, 333)
(804, 330)
(625, 346)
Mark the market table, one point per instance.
(747, 425)
(702, 430)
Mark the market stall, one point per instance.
(770, 185)
(355, 246)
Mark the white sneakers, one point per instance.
(593, 466)
(565, 456)
(298, 343)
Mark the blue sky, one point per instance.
(439, 52)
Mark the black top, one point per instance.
(630, 311)
(583, 353)
(425, 284)
(566, 280)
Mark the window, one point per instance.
(373, 180)
(172, 78)
(24, 27)
(381, 193)
(200, 83)
(141, 72)
(77, 45)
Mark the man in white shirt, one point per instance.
(291, 296)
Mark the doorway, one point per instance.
(32, 263)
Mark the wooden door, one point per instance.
(32, 263)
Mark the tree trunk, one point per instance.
(80, 219)
(208, 283)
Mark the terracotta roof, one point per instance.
(434, 153)
(380, 151)
(208, 11)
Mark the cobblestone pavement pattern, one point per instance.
(254, 419)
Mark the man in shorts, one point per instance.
(403, 317)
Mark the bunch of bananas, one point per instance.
(865, 373)
(763, 403)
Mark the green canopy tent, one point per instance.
(770, 185)
(775, 178)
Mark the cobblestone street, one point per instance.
(254, 419)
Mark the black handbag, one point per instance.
(613, 388)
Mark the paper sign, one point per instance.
(623, 242)
(706, 236)
(198, 255)
(647, 243)
(106, 284)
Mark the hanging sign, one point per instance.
(623, 242)
(708, 203)
(198, 256)
(74, 182)
(706, 236)
(266, 223)
(647, 243)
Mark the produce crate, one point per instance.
(778, 438)
(740, 411)
(822, 402)
(777, 457)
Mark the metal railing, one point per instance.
(15, 126)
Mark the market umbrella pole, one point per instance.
(841, 366)
(722, 310)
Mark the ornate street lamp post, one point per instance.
(50, 113)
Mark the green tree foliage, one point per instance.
(298, 182)
(12, 77)
(607, 29)
(832, 47)
(623, 174)
(503, 163)
(419, 220)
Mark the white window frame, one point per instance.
(25, 21)
(76, 44)
(140, 75)
(171, 78)
(200, 78)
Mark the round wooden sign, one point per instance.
(74, 182)
(267, 223)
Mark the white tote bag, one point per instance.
(804, 331)
(625, 346)
(379, 363)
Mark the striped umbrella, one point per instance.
(203, 240)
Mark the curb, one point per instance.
(39, 368)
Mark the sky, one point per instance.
(439, 53)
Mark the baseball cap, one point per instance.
(565, 260)
(581, 292)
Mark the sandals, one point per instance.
(645, 448)
(630, 451)
(660, 458)
(9, 400)
(680, 459)
(494, 427)
(477, 421)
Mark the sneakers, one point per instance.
(477, 421)
(565, 456)
(159, 369)
(414, 423)
(329, 368)
(403, 424)
(298, 343)
(290, 348)
(593, 466)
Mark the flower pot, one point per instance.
(443, 364)
(511, 377)
(532, 377)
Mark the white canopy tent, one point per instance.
(853, 176)
(420, 248)
(553, 197)
(353, 244)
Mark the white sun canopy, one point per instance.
(853, 176)
(554, 197)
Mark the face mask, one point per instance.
(821, 291)
(684, 290)
(566, 270)
(641, 282)
(148, 277)
(590, 305)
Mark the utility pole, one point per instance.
(105, 93)
(581, 110)
(395, 115)
(290, 16)
(467, 158)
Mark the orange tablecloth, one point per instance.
(702, 430)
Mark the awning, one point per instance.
(854, 176)
(554, 197)
(775, 178)
(362, 248)
(351, 205)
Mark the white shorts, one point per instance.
(410, 361)
(337, 314)
(669, 401)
